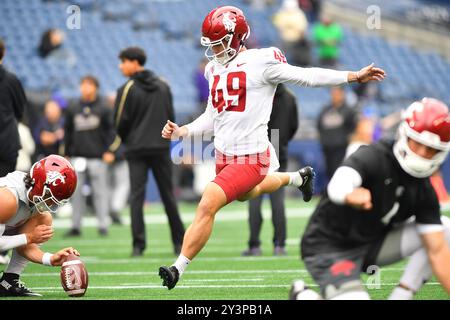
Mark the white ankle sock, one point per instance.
(400, 293)
(295, 179)
(181, 264)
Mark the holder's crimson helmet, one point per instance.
(53, 181)
(427, 122)
(225, 27)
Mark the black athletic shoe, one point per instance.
(115, 218)
(137, 252)
(252, 252)
(72, 233)
(11, 286)
(170, 276)
(307, 187)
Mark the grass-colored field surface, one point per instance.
(219, 272)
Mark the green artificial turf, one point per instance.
(218, 272)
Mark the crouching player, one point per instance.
(26, 203)
(380, 208)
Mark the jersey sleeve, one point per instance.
(204, 123)
(208, 69)
(364, 161)
(277, 70)
(428, 215)
(14, 183)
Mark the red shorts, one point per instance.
(237, 175)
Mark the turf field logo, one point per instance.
(374, 19)
(73, 21)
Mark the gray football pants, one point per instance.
(98, 175)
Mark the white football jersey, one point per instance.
(14, 182)
(241, 97)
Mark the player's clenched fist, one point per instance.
(360, 198)
(172, 131)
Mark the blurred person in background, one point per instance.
(283, 124)
(52, 47)
(185, 177)
(292, 26)
(88, 134)
(328, 37)
(12, 106)
(365, 131)
(202, 86)
(27, 150)
(50, 131)
(311, 8)
(118, 181)
(119, 173)
(335, 124)
(143, 105)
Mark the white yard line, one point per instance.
(208, 280)
(151, 273)
(231, 215)
(96, 260)
(237, 286)
(213, 249)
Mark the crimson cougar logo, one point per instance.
(229, 22)
(55, 178)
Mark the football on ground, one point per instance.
(74, 276)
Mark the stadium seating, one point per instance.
(169, 31)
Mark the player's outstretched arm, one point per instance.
(439, 256)
(369, 73)
(320, 77)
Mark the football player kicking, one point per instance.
(242, 85)
(27, 199)
(380, 208)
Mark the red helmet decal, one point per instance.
(430, 115)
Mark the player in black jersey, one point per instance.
(380, 208)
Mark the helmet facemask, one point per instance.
(411, 162)
(225, 55)
(47, 202)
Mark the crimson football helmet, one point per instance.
(227, 28)
(53, 181)
(427, 122)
